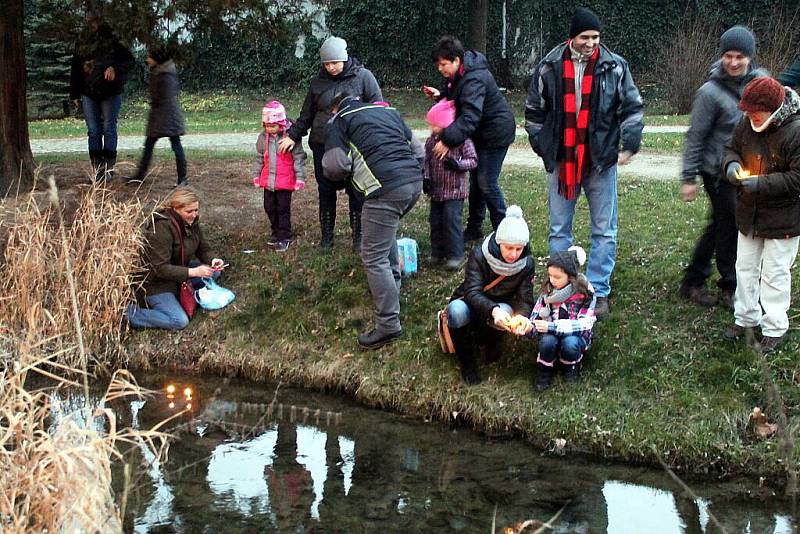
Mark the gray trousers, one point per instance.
(380, 218)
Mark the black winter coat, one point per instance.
(516, 290)
(165, 118)
(774, 156)
(354, 78)
(616, 110)
(95, 52)
(372, 146)
(482, 112)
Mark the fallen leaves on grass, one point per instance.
(760, 424)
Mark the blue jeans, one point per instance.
(601, 193)
(484, 190)
(568, 349)
(459, 315)
(447, 238)
(380, 219)
(101, 121)
(163, 311)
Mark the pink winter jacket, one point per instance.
(278, 171)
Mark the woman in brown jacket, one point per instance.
(175, 239)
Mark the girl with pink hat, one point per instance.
(278, 173)
(446, 182)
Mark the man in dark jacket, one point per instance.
(581, 102)
(763, 161)
(483, 115)
(370, 145)
(791, 76)
(100, 69)
(714, 115)
(340, 73)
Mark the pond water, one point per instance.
(253, 458)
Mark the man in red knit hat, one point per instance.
(763, 161)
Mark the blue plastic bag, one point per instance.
(407, 254)
(213, 296)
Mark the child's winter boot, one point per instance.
(544, 378)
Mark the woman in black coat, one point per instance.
(503, 261)
(165, 118)
(340, 73)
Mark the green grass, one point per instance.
(240, 112)
(660, 380)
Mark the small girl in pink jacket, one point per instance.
(279, 173)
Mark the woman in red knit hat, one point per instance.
(763, 161)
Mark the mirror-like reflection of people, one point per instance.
(290, 485)
(100, 68)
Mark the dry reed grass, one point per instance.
(70, 282)
(59, 480)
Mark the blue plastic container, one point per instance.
(407, 254)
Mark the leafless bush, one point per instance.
(70, 283)
(779, 39)
(684, 63)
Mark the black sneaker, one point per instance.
(769, 344)
(373, 339)
(272, 241)
(282, 246)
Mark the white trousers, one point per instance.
(763, 282)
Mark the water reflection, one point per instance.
(236, 470)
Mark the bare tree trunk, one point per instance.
(476, 36)
(16, 161)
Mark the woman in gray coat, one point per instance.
(165, 118)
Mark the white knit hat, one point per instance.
(333, 49)
(513, 230)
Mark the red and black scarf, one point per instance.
(577, 158)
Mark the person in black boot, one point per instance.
(496, 294)
(563, 317)
(99, 71)
(340, 73)
(166, 117)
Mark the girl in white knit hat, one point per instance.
(496, 295)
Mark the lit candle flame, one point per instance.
(741, 174)
(171, 388)
(187, 393)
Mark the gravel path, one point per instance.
(658, 166)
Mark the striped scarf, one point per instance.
(577, 158)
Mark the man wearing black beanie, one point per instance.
(582, 105)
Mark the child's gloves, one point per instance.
(426, 186)
(732, 172)
(451, 164)
(299, 184)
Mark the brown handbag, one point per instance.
(443, 329)
(185, 291)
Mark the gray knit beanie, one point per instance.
(333, 49)
(740, 39)
(512, 230)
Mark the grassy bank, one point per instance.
(660, 380)
(234, 113)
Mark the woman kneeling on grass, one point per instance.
(563, 317)
(496, 295)
(176, 237)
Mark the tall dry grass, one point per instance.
(59, 480)
(68, 279)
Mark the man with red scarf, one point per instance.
(582, 104)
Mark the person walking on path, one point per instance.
(763, 160)
(339, 73)
(99, 71)
(278, 173)
(581, 103)
(446, 182)
(483, 115)
(370, 145)
(715, 113)
(165, 118)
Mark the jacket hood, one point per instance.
(351, 67)
(475, 61)
(791, 105)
